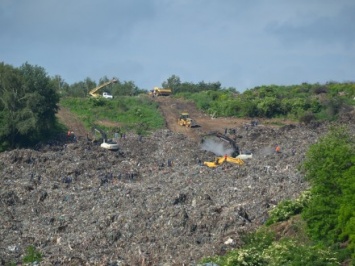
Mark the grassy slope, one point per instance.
(138, 114)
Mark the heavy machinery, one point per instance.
(106, 144)
(94, 91)
(185, 120)
(236, 156)
(220, 160)
(161, 91)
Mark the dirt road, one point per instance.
(71, 121)
(172, 107)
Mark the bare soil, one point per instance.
(171, 109)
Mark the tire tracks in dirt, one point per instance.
(71, 121)
(172, 107)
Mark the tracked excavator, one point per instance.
(106, 144)
(236, 156)
(94, 91)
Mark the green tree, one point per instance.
(268, 107)
(173, 83)
(330, 167)
(127, 88)
(28, 103)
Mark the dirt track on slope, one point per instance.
(172, 107)
(71, 121)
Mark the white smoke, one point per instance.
(266, 151)
(218, 148)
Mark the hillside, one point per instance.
(79, 204)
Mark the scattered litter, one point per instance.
(84, 205)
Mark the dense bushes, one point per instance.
(330, 167)
(288, 208)
(301, 102)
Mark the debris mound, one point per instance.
(150, 203)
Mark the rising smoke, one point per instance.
(217, 147)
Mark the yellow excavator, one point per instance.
(94, 91)
(185, 120)
(220, 160)
(236, 158)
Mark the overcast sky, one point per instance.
(239, 43)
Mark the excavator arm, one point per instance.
(235, 147)
(94, 91)
(106, 144)
(103, 134)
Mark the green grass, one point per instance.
(126, 113)
(283, 240)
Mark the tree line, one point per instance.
(29, 100)
(304, 102)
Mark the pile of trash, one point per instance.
(150, 203)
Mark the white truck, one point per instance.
(107, 95)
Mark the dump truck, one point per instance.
(161, 91)
(185, 120)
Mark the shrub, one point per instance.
(32, 255)
(287, 208)
(307, 118)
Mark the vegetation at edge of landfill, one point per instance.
(264, 247)
(322, 220)
(29, 101)
(304, 102)
(28, 104)
(139, 114)
(288, 208)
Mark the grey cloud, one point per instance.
(73, 21)
(325, 30)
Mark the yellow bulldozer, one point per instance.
(185, 120)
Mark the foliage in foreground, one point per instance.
(288, 208)
(328, 210)
(263, 248)
(330, 168)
